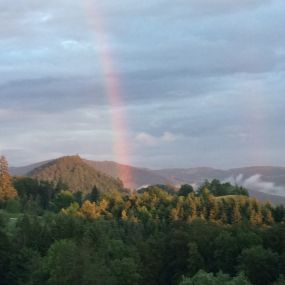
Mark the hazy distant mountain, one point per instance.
(263, 182)
(267, 183)
(190, 175)
(140, 176)
(24, 170)
(261, 196)
(75, 173)
(266, 179)
(267, 173)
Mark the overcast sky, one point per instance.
(202, 81)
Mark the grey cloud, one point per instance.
(52, 94)
(210, 72)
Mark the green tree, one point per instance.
(24, 264)
(185, 190)
(126, 271)
(279, 213)
(63, 200)
(274, 238)
(280, 281)
(78, 197)
(195, 259)
(94, 195)
(226, 251)
(204, 278)
(6, 252)
(260, 265)
(72, 210)
(63, 265)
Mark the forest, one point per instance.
(159, 235)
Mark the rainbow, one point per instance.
(113, 92)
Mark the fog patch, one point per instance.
(256, 183)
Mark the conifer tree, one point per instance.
(214, 210)
(7, 190)
(236, 215)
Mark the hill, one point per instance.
(24, 170)
(266, 179)
(76, 174)
(266, 183)
(139, 176)
(195, 175)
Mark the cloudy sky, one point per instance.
(199, 82)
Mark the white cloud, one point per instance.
(146, 139)
(150, 140)
(168, 137)
(255, 182)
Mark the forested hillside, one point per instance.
(215, 235)
(266, 183)
(76, 174)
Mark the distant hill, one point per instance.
(267, 173)
(75, 173)
(263, 182)
(190, 175)
(266, 183)
(24, 170)
(267, 179)
(139, 176)
(261, 196)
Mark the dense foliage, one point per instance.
(216, 235)
(204, 278)
(64, 249)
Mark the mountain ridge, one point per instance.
(264, 182)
